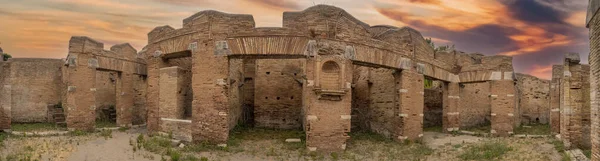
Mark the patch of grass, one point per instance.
(486, 151)
(105, 123)
(78, 133)
(31, 127)
(156, 144)
(106, 134)
(123, 129)
(3, 137)
(368, 136)
(480, 129)
(434, 129)
(560, 147)
(588, 153)
(534, 129)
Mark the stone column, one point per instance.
(410, 100)
(81, 99)
(171, 103)
(555, 94)
(451, 99)
(503, 107)
(210, 83)
(327, 111)
(593, 22)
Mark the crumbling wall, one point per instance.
(360, 98)
(139, 109)
(555, 97)
(236, 74)
(105, 92)
(5, 88)
(593, 22)
(185, 63)
(278, 93)
(534, 98)
(35, 83)
(383, 105)
(433, 109)
(575, 103)
(475, 105)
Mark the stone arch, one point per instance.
(330, 75)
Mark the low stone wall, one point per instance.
(180, 129)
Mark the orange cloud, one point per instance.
(544, 72)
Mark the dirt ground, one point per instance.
(264, 145)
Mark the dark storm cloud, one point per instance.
(532, 11)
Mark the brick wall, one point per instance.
(594, 60)
(139, 109)
(106, 93)
(277, 98)
(555, 97)
(433, 109)
(534, 98)
(475, 107)
(35, 83)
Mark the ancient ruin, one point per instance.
(323, 71)
(592, 22)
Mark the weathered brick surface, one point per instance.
(139, 111)
(451, 102)
(35, 83)
(278, 93)
(434, 108)
(106, 93)
(5, 97)
(533, 95)
(180, 129)
(475, 104)
(172, 92)
(86, 56)
(503, 107)
(327, 110)
(410, 99)
(555, 97)
(594, 59)
(575, 103)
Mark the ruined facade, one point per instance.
(323, 72)
(533, 99)
(570, 102)
(593, 23)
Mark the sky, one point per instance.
(535, 32)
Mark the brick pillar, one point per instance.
(81, 80)
(171, 103)
(410, 100)
(210, 83)
(451, 114)
(124, 99)
(503, 107)
(153, 91)
(327, 111)
(555, 91)
(594, 59)
(5, 107)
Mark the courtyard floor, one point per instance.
(264, 144)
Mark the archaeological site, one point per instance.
(323, 72)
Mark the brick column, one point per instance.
(153, 91)
(594, 59)
(171, 103)
(210, 107)
(124, 99)
(411, 100)
(327, 111)
(451, 114)
(81, 80)
(503, 107)
(555, 91)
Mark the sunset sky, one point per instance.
(535, 32)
